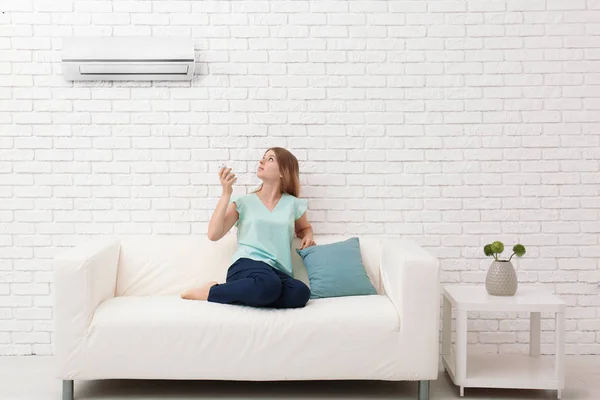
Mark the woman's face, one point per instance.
(268, 169)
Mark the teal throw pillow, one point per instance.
(336, 270)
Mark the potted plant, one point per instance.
(501, 279)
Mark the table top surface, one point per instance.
(475, 297)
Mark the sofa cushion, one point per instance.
(166, 337)
(336, 270)
(169, 264)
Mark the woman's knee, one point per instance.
(304, 294)
(298, 296)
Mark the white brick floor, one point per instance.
(31, 378)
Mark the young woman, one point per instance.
(261, 273)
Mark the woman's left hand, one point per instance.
(307, 241)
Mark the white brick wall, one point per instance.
(455, 123)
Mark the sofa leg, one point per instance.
(67, 389)
(423, 390)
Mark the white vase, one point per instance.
(501, 279)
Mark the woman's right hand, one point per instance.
(227, 178)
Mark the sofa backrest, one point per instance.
(170, 264)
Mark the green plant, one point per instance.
(496, 248)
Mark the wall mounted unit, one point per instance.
(128, 58)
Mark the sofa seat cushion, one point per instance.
(166, 337)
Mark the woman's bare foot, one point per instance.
(200, 293)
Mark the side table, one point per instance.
(517, 371)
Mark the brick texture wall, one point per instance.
(454, 123)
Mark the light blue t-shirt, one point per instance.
(265, 235)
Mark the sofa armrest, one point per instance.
(411, 278)
(84, 276)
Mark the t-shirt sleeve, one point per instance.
(239, 206)
(300, 207)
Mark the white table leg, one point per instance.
(446, 328)
(534, 334)
(461, 349)
(559, 367)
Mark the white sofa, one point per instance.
(118, 315)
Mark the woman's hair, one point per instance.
(289, 169)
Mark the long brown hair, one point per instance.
(289, 169)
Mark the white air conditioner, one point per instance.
(128, 58)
